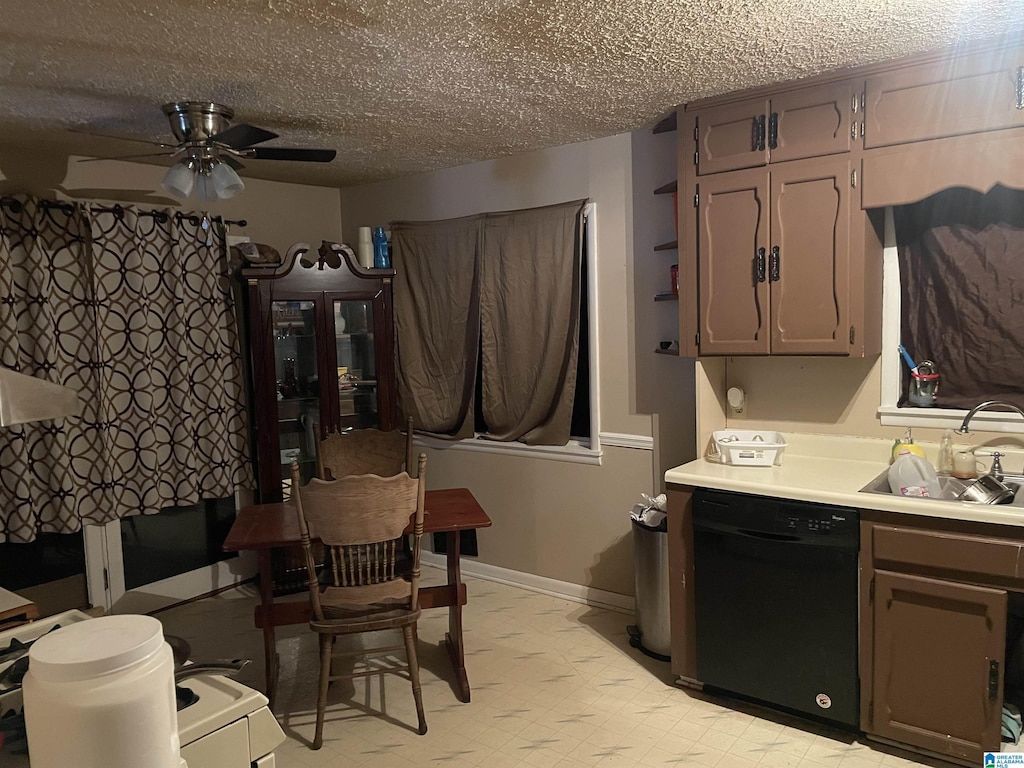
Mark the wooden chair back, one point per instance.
(360, 520)
(364, 452)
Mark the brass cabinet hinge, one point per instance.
(853, 178)
(863, 101)
(853, 130)
(855, 103)
(696, 161)
(696, 198)
(696, 338)
(696, 136)
(853, 334)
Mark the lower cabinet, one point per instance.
(937, 660)
(933, 635)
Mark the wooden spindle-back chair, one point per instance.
(359, 520)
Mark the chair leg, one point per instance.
(409, 632)
(326, 647)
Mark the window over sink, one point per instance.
(953, 294)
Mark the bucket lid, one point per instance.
(96, 647)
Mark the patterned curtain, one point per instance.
(137, 315)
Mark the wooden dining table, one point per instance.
(265, 527)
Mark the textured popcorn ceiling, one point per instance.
(402, 86)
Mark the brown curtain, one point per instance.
(437, 322)
(530, 299)
(961, 257)
(501, 286)
(134, 311)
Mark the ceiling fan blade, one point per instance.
(243, 135)
(232, 162)
(291, 153)
(122, 138)
(127, 157)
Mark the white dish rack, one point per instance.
(751, 448)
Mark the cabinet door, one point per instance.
(732, 137)
(733, 251)
(808, 260)
(937, 664)
(355, 360)
(292, 392)
(812, 122)
(981, 92)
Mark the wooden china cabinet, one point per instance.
(321, 333)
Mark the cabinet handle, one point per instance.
(758, 133)
(774, 267)
(773, 130)
(993, 679)
(1020, 87)
(760, 265)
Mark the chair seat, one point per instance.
(369, 618)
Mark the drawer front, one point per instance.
(962, 554)
(227, 747)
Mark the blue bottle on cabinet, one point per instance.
(380, 249)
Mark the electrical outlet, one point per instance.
(736, 403)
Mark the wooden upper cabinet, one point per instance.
(809, 259)
(966, 94)
(936, 654)
(813, 122)
(774, 252)
(732, 136)
(732, 243)
(797, 124)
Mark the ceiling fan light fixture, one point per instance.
(226, 183)
(205, 190)
(179, 179)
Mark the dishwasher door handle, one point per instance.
(781, 537)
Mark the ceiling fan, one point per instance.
(210, 147)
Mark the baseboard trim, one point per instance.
(576, 593)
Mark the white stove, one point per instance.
(230, 726)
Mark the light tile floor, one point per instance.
(555, 684)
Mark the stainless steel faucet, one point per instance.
(984, 407)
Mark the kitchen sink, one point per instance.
(950, 488)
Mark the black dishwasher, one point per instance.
(775, 589)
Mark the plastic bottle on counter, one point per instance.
(912, 475)
(380, 249)
(946, 452)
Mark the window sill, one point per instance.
(575, 451)
(949, 418)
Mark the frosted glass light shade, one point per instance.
(205, 189)
(226, 182)
(178, 180)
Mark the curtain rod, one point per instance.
(118, 210)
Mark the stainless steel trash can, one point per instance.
(652, 632)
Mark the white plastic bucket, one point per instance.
(100, 694)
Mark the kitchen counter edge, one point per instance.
(831, 481)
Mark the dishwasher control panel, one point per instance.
(817, 524)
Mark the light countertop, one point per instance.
(832, 470)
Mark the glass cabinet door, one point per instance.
(357, 364)
(298, 386)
